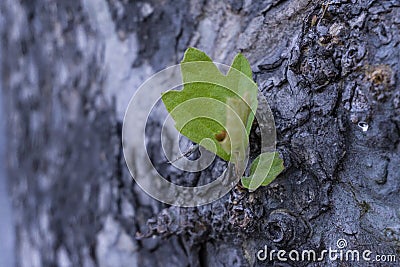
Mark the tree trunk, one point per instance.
(329, 71)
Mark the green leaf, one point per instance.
(221, 108)
(193, 54)
(264, 169)
(242, 64)
(212, 104)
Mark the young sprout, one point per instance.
(230, 113)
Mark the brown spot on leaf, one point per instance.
(221, 136)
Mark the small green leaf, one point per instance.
(193, 54)
(221, 108)
(209, 96)
(242, 64)
(264, 169)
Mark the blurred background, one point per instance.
(69, 68)
(7, 230)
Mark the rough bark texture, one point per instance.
(326, 68)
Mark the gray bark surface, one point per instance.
(326, 68)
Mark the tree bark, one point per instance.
(328, 69)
